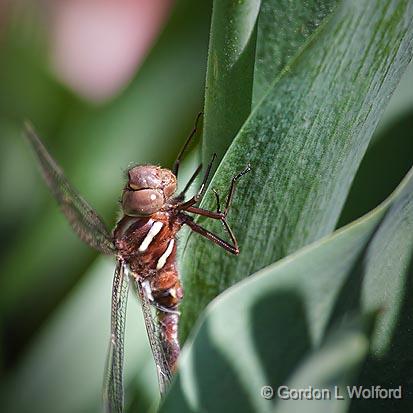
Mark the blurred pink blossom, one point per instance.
(97, 45)
(4, 11)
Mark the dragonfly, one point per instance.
(144, 245)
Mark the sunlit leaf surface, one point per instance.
(229, 81)
(305, 141)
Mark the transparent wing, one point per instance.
(162, 367)
(81, 216)
(113, 386)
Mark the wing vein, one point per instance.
(113, 387)
(82, 217)
(162, 367)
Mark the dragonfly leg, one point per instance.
(201, 192)
(220, 214)
(181, 196)
(175, 168)
(233, 247)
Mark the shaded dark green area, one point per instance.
(384, 165)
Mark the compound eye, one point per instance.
(143, 202)
(170, 189)
(169, 183)
(144, 177)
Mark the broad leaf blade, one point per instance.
(400, 104)
(229, 74)
(262, 330)
(386, 162)
(392, 368)
(244, 60)
(283, 28)
(384, 280)
(305, 141)
(328, 370)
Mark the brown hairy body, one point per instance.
(161, 275)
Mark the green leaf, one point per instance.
(386, 162)
(305, 141)
(230, 70)
(244, 60)
(380, 277)
(330, 369)
(283, 28)
(392, 367)
(384, 279)
(331, 366)
(400, 104)
(263, 329)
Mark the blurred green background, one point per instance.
(54, 291)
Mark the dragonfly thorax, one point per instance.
(148, 189)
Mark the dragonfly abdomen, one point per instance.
(169, 333)
(149, 247)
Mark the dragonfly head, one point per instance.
(147, 190)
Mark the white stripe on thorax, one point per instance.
(148, 290)
(165, 255)
(155, 228)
